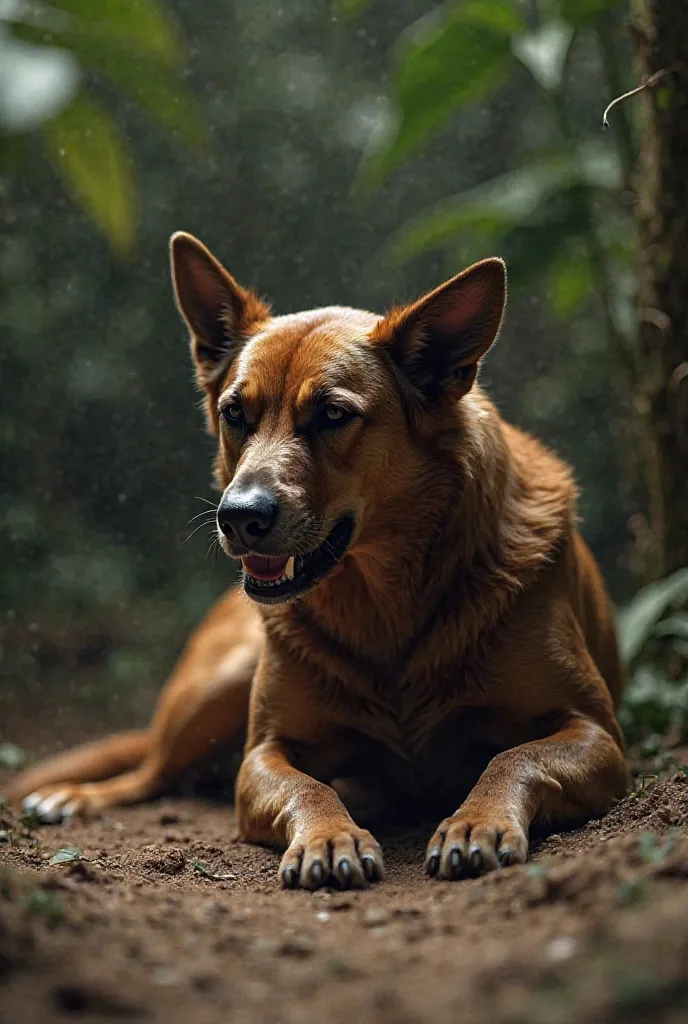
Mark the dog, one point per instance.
(420, 629)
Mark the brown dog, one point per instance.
(426, 630)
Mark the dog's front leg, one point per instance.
(576, 773)
(281, 806)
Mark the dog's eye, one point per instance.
(233, 414)
(332, 415)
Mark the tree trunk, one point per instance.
(662, 44)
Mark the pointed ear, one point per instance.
(217, 310)
(438, 340)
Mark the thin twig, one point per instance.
(652, 80)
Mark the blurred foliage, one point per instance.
(653, 632)
(101, 440)
(555, 214)
(46, 52)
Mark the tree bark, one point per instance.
(662, 46)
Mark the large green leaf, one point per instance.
(490, 208)
(141, 25)
(154, 86)
(578, 12)
(350, 8)
(637, 621)
(652, 703)
(532, 247)
(442, 62)
(511, 201)
(676, 626)
(508, 202)
(571, 282)
(85, 146)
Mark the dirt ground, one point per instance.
(594, 928)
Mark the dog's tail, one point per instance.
(91, 762)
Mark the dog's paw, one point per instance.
(469, 844)
(348, 859)
(54, 804)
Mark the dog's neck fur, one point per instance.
(498, 504)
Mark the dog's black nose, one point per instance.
(246, 515)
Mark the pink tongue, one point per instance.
(263, 567)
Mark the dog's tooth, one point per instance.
(289, 571)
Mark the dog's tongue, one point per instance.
(264, 567)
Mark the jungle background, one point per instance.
(353, 152)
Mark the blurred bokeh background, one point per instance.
(327, 152)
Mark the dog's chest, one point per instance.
(426, 750)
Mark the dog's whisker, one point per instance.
(213, 546)
(211, 517)
(193, 532)
(212, 503)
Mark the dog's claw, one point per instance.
(344, 859)
(462, 848)
(317, 873)
(370, 868)
(50, 809)
(433, 862)
(455, 863)
(344, 873)
(290, 877)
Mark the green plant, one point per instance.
(556, 216)
(653, 634)
(48, 51)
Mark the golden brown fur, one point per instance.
(461, 654)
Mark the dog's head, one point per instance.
(323, 417)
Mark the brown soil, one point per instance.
(595, 928)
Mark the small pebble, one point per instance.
(561, 949)
(297, 946)
(375, 917)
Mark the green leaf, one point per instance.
(155, 87)
(443, 62)
(66, 855)
(494, 207)
(651, 851)
(518, 199)
(631, 891)
(571, 283)
(578, 12)
(12, 757)
(206, 872)
(532, 247)
(351, 8)
(674, 626)
(637, 620)
(43, 904)
(141, 25)
(651, 703)
(85, 146)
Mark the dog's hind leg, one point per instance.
(205, 703)
(90, 762)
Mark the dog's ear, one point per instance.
(218, 312)
(438, 341)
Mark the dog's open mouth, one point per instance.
(273, 578)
